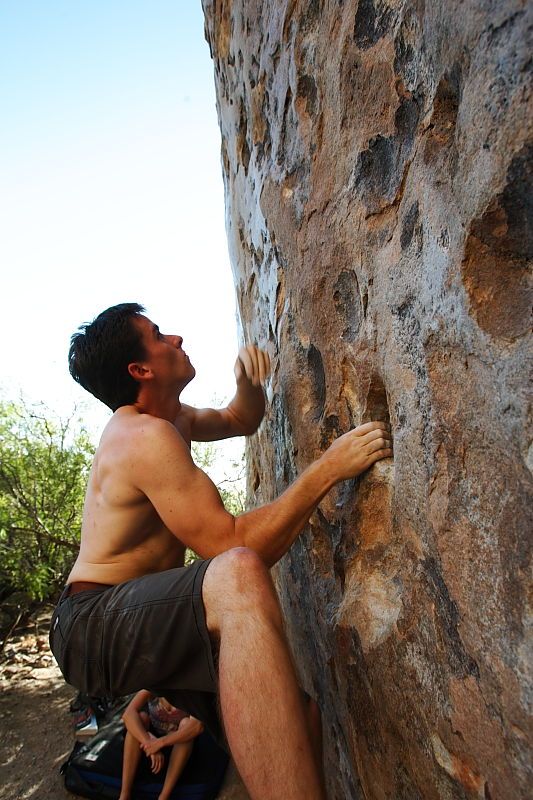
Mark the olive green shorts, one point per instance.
(148, 633)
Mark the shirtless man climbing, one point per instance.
(132, 616)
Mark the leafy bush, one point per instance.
(44, 464)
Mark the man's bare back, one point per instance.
(122, 535)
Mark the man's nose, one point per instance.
(178, 340)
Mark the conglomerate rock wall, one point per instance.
(377, 166)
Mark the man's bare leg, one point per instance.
(262, 707)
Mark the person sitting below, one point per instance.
(149, 732)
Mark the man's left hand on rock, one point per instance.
(253, 365)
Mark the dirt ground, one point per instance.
(37, 734)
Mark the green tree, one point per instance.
(207, 456)
(44, 464)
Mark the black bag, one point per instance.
(94, 769)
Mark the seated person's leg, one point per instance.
(131, 758)
(179, 756)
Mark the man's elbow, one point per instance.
(245, 424)
(251, 428)
(253, 423)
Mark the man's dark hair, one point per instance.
(101, 350)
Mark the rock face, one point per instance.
(377, 166)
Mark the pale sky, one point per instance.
(111, 188)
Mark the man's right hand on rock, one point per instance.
(356, 451)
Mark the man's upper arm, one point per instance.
(211, 424)
(184, 497)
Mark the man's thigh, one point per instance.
(145, 632)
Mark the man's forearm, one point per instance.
(271, 529)
(248, 406)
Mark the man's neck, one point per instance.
(167, 407)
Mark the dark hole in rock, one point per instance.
(364, 300)
(245, 156)
(253, 72)
(380, 168)
(286, 125)
(377, 406)
(243, 150)
(375, 169)
(307, 89)
(444, 118)
(408, 228)
(371, 23)
(406, 120)
(309, 16)
(330, 430)
(287, 471)
(496, 267)
(404, 57)
(348, 304)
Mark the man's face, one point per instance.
(164, 354)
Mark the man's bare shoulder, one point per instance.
(127, 421)
(138, 438)
(136, 452)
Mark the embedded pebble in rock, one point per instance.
(377, 166)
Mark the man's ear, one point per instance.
(138, 372)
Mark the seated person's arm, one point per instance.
(244, 413)
(188, 729)
(131, 717)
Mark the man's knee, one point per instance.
(237, 580)
(238, 570)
